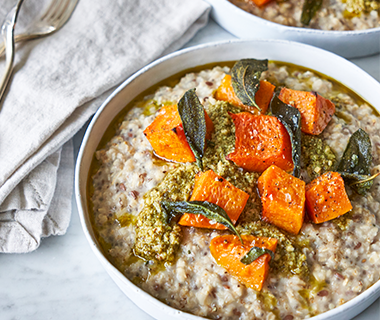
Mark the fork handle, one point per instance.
(7, 30)
(22, 37)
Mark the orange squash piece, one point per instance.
(228, 251)
(263, 96)
(261, 141)
(316, 111)
(259, 3)
(326, 198)
(283, 199)
(213, 188)
(167, 137)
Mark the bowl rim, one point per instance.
(371, 292)
(256, 19)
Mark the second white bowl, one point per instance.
(349, 44)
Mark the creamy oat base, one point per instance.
(342, 263)
(332, 16)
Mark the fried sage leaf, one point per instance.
(357, 157)
(359, 182)
(309, 9)
(355, 164)
(205, 208)
(290, 117)
(255, 253)
(245, 78)
(193, 119)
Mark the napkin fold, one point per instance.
(58, 84)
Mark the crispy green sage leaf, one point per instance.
(254, 253)
(193, 119)
(205, 208)
(290, 117)
(359, 182)
(357, 157)
(245, 78)
(309, 9)
(355, 164)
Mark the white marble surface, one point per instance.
(64, 280)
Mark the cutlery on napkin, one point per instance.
(57, 85)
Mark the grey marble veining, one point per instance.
(64, 280)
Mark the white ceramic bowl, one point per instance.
(245, 25)
(287, 51)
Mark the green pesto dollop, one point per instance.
(317, 156)
(223, 143)
(356, 7)
(155, 239)
(289, 258)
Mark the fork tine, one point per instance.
(67, 12)
(54, 17)
(50, 11)
(60, 10)
(63, 10)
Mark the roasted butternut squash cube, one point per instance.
(263, 96)
(326, 198)
(260, 141)
(167, 137)
(228, 251)
(316, 111)
(283, 199)
(213, 188)
(259, 3)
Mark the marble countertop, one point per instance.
(64, 280)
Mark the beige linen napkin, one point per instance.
(59, 82)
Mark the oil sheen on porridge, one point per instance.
(320, 268)
(333, 15)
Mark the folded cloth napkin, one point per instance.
(58, 83)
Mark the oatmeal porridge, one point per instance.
(302, 258)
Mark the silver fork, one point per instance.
(55, 16)
(7, 31)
